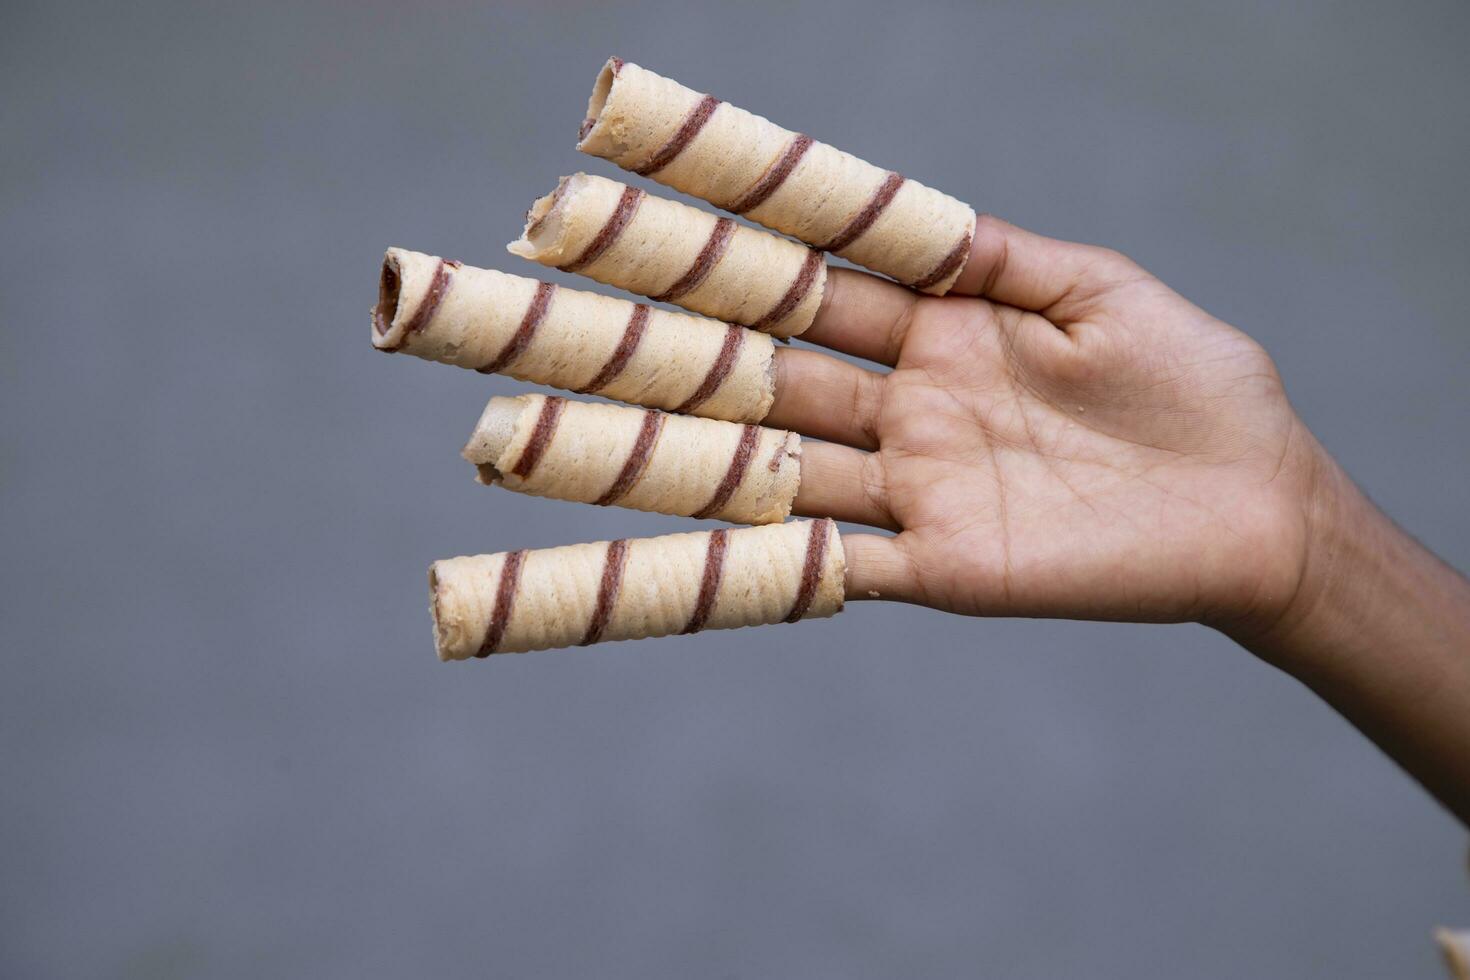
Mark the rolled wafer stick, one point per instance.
(673, 253)
(646, 460)
(746, 164)
(633, 588)
(489, 321)
(1455, 945)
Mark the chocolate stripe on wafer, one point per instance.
(637, 461)
(774, 176)
(718, 371)
(794, 293)
(948, 264)
(709, 584)
(627, 345)
(535, 313)
(864, 219)
(811, 568)
(551, 410)
(590, 121)
(616, 222)
(437, 288)
(709, 256)
(739, 463)
(505, 597)
(689, 129)
(607, 590)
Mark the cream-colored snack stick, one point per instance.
(646, 460)
(673, 253)
(517, 601)
(744, 163)
(533, 331)
(1456, 948)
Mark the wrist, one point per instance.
(1340, 543)
(1380, 629)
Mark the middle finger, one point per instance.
(821, 396)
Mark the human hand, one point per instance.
(1062, 435)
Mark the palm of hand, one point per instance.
(1125, 456)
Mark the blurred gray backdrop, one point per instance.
(226, 748)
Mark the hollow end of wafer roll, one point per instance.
(441, 634)
(492, 434)
(1455, 945)
(390, 284)
(545, 233)
(410, 286)
(601, 90)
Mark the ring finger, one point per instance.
(821, 396)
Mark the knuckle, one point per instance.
(867, 403)
(1114, 263)
(991, 244)
(898, 333)
(874, 483)
(988, 225)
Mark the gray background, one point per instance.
(226, 749)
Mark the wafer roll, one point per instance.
(442, 310)
(675, 254)
(646, 460)
(1456, 948)
(743, 163)
(634, 588)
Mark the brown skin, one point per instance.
(1065, 436)
(1116, 453)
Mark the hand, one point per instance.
(1062, 435)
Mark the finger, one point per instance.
(844, 484)
(862, 315)
(819, 395)
(1023, 269)
(879, 567)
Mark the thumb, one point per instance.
(1020, 268)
